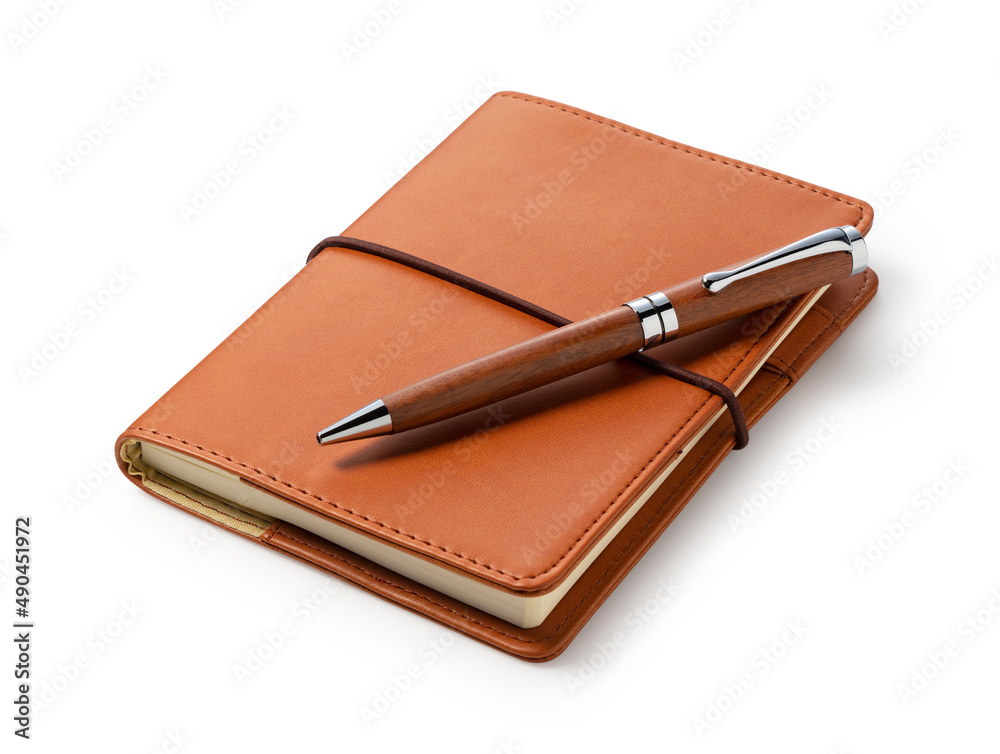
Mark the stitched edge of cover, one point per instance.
(682, 147)
(657, 455)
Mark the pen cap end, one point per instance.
(859, 249)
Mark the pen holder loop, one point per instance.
(526, 307)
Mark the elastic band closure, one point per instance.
(526, 307)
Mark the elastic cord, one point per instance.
(526, 307)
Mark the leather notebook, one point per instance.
(511, 524)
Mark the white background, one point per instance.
(881, 100)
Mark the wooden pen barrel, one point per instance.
(533, 363)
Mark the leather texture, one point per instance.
(574, 213)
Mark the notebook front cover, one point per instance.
(567, 210)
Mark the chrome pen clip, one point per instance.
(846, 239)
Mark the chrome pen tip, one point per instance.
(371, 421)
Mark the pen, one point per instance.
(646, 322)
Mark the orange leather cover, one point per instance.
(577, 214)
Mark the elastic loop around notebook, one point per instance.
(526, 307)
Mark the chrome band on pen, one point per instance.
(657, 317)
